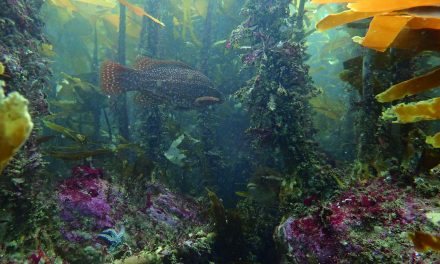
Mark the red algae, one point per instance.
(348, 227)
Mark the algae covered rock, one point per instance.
(365, 224)
(15, 125)
(99, 224)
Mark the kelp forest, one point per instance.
(219, 131)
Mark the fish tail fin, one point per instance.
(111, 77)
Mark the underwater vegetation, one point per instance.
(233, 131)
(91, 208)
(366, 223)
(390, 26)
(423, 241)
(15, 125)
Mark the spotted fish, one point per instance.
(168, 82)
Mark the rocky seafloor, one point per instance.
(367, 223)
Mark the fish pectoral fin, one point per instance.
(147, 99)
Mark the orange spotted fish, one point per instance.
(165, 82)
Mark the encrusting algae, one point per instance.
(15, 125)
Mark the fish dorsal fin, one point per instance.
(145, 63)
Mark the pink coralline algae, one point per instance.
(163, 206)
(86, 202)
(345, 228)
(86, 171)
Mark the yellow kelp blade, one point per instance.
(333, 1)
(78, 155)
(411, 87)
(140, 12)
(414, 112)
(342, 18)
(383, 31)
(65, 131)
(422, 23)
(434, 140)
(423, 11)
(133, 30)
(67, 4)
(424, 241)
(15, 125)
(103, 3)
(389, 5)
(201, 7)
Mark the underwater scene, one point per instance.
(219, 131)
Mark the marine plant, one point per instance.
(392, 25)
(25, 72)
(15, 125)
(423, 241)
(229, 243)
(365, 223)
(277, 96)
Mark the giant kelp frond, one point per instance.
(424, 241)
(383, 31)
(414, 112)
(140, 12)
(15, 125)
(434, 140)
(73, 6)
(67, 4)
(342, 18)
(388, 5)
(411, 87)
(389, 19)
(65, 131)
(101, 3)
(401, 24)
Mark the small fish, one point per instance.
(169, 82)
